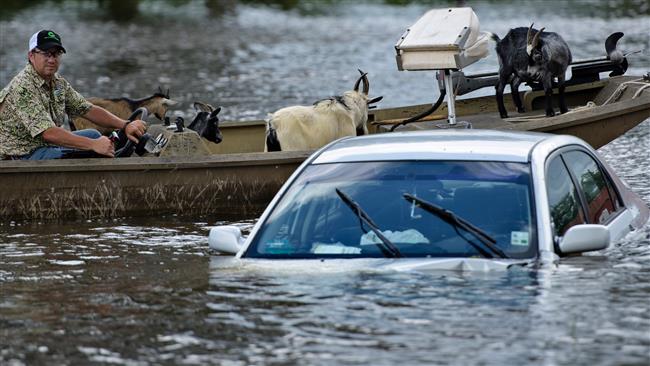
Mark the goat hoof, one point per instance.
(521, 110)
(504, 116)
(550, 113)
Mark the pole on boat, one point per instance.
(451, 98)
(451, 102)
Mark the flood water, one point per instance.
(148, 291)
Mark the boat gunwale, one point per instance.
(215, 161)
(596, 113)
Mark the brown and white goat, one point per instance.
(310, 127)
(157, 104)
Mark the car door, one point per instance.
(580, 191)
(563, 198)
(600, 200)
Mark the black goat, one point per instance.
(206, 122)
(532, 56)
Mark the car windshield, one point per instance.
(318, 216)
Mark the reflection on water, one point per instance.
(253, 59)
(149, 291)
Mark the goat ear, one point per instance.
(203, 107)
(375, 100)
(214, 113)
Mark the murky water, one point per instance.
(149, 291)
(255, 60)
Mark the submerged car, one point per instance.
(448, 199)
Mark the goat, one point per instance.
(206, 122)
(157, 104)
(310, 127)
(532, 56)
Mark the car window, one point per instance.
(563, 198)
(312, 221)
(594, 185)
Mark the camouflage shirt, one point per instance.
(29, 105)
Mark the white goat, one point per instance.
(310, 127)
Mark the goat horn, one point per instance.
(536, 38)
(356, 84)
(366, 84)
(528, 35)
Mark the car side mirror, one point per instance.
(226, 239)
(584, 238)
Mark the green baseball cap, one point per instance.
(44, 40)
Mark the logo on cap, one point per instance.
(53, 36)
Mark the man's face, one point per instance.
(46, 63)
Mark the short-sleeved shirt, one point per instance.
(29, 105)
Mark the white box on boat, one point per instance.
(442, 39)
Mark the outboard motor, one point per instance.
(125, 147)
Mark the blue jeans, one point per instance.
(56, 152)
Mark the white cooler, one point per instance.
(442, 39)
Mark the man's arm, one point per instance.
(61, 137)
(105, 118)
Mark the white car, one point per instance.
(448, 199)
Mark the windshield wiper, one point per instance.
(459, 222)
(387, 248)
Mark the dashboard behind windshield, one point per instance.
(311, 220)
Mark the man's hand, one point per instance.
(103, 146)
(104, 118)
(134, 130)
(60, 137)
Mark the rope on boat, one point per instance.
(621, 88)
(589, 105)
(616, 95)
(641, 89)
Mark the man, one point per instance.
(34, 105)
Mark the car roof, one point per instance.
(448, 144)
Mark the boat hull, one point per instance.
(233, 185)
